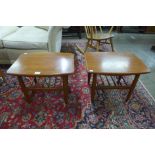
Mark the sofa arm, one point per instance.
(54, 38)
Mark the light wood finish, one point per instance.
(43, 64)
(2, 75)
(114, 66)
(96, 36)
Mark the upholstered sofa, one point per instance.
(16, 40)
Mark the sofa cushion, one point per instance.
(27, 37)
(6, 30)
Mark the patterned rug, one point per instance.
(47, 110)
(109, 110)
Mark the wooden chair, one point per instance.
(96, 37)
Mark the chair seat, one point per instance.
(101, 36)
(96, 37)
(25, 38)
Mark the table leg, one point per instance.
(65, 88)
(23, 88)
(93, 89)
(112, 47)
(35, 80)
(97, 45)
(132, 86)
(89, 77)
(2, 75)
(35, 83)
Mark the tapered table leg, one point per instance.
(2, 75)
(132, 86)
(97, 45)
(112, 47)
(35, 83)
(35, 80)
(89, 77)
(65, 88)
(93, 89)
(23, 88)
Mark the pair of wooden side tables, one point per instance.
(48, 64)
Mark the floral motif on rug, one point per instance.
(109, 110)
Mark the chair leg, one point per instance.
(86, 46)
(79, 49)
(111, 43)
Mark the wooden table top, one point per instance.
(113, 63)
(43, 64)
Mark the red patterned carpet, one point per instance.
(48, 111)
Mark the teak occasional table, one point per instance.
(114, 66)
(43, 64)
